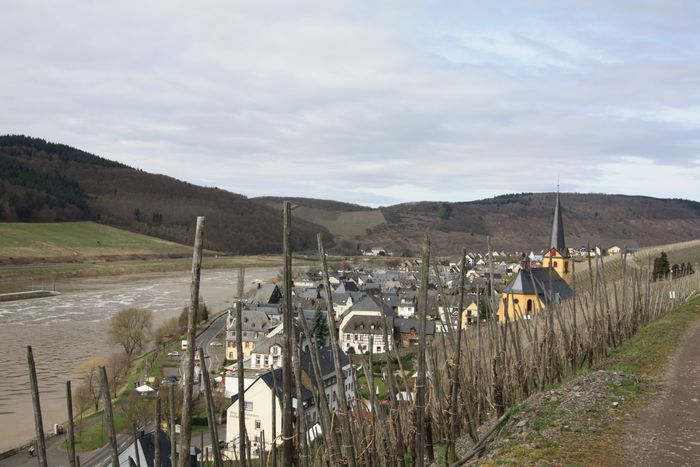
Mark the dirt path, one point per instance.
(667, 430)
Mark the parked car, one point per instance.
(174, 354)
(215, 344)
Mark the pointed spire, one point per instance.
(558, 228)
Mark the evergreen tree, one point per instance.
(319, 328)
(661, 267)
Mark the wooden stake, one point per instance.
(71, 426)
(171, 425)
(421, 381)
(38, 422)
(109, 415)
(211, 418)
(241, 383)
(348, 443)
(186, 423)
(287, 320)
(156, 434)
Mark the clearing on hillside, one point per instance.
(77, 241)
(348, 223)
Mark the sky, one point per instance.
(374, 103)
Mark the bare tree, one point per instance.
(131, 328)
(89, 373)
(167, 332)
(82, 401)
(137, 409)
(117, 368)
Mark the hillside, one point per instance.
(46, 182)
(79, 241)
(514, 222)
(350, 220)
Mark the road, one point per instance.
(203, 339)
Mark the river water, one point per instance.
(66, 329)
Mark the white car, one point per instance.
(174, 354)
(215, 344)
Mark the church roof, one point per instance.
(558, 229)
(539, 281)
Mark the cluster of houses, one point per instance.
(375, 311)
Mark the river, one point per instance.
(68, 328)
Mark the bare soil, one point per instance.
(666, 431)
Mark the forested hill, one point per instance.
(47, 182)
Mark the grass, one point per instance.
(96, 435)
(78, 239)
(592, 436)
(111, 268)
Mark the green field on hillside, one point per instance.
(79, 240)
(341, 222)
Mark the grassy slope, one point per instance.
(80, 240)
(643, 259)
(574, 443)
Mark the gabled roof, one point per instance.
(263, 346)
(539, 281)
(364, 324)
(325, 362)
(370, 303)
(407, 325)
(346, 286)
(278, 383)
(266, 294)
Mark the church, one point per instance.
(534, 288)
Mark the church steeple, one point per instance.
(558, 228)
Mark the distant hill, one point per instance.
(518, 222)
(47, 182)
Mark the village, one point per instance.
(374, 314)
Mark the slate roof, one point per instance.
(370, 303)
(346, 286)
(558, 229)
(267, 378)
(539, 281)
(267, 294)
(364, 324)
(404, 325)
(325, 362)
(263, 346)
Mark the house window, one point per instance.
(566, 267)
(249, 406)
(379, 348)
(555, 264)
(347, 337)
(257, 425)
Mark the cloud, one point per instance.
(360, 101)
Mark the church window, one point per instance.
(529, 306)
(555, 264)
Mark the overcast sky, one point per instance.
(367, 102)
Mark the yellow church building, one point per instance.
(533, 288)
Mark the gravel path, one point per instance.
(667, 430)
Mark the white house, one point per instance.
(260, 398)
